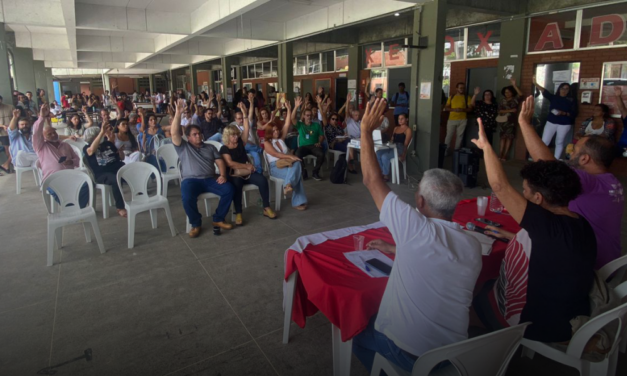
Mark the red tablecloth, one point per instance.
(348, 297)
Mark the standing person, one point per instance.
(486, 109)
(106, 99)
(32, 104)
(400, 102)
(562, 247)
(198, 174)
(600, 124)
(284, 165)
(562, 113)
(104, 161)
(401, 137)
(422, 307)
(41, 97)
(459, 105)
(20, 135)
(310, 138)
(235, 157)
(6, 114)
(252, 145)
(65, 103)
(211, 125)
(621, 145)
(507, 111)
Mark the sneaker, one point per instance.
(316, 176)
(305, 177)
(194, 232)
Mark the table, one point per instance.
(395, 169)
(319, 277)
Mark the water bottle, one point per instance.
(495, 204)
(260, 206)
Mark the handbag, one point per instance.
(502, 118)
(243, 173)
(282, 163)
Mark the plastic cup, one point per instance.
(358, 241)
(482, 205)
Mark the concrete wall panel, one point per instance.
(136, 19)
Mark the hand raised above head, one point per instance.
(526, 111)
(482, 142)
(373, 116)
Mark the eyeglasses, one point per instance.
(333, 118)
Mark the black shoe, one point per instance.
(216, 230)
(316, 176)
(352, 171)
(305, 177)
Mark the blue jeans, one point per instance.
(83, 196)
(369, 342)
(292, 176)
(216, 137)
(255, 151)
(255, 178)
(152, 159)
(385, 157)
(192, 188)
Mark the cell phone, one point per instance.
(380, 266)
(62, 159)
(488, 222)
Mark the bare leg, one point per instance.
(502, 147)
(508, 145)
(8, 162)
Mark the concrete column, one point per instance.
(227, 80)
(427, 66)
(238, 73)
(40, 77)
(151, 83)
(50, 86)
(212, 81)
(171, 83)
(511, 53)
(354, 67)
(24, 70)
(5, 74)
(106, 83)
(285, 70)
(193, 72)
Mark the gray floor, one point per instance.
(173, 305)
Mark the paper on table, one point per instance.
(486, 242)
(359, 258)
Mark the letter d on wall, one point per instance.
(617, 24)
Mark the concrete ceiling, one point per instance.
(151, 36)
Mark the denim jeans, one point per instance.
(216, 137)
(83, 196)
(152, 159)
(369, 342)
(385, 157)
(317, 152)
(255, 151)
(293, 176)
(192, 188)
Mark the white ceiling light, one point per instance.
(397, 14)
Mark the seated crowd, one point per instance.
(569, 212)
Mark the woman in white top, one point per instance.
(126, 143)
(275, 150)
(600, 124)
(75, 126)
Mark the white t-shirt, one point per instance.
(353, 128)
(426, 302)
(279, 146)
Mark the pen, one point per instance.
(367, 268)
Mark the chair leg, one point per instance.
(59, 236)
(168, 215)
(18, 181)
(245, 202)
(153, 218)
(131, 228)
(277, 196)
(36, 175)
(96, 229)
(377, 366)
(207, 207)
(164, 187)
(289, 302)
(342, 352)
(51, 241)
(188, 226)
(87, 233)
(597, 369)
(105, 203)
(527, 352)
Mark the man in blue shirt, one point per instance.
(21, 139)
(400, 102)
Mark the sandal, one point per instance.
(301, 207)
(287, 189)
(267, 212)
(120, 213)
(8, 171)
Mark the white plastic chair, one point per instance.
(488, 354)
(573, 356)
(67, 185)
(395, 164)
(615, 269)
(278, 184)
(106, 192)
(336, 155)
(171, 158)
(137, 175)
(18, 181)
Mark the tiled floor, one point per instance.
(173, 305)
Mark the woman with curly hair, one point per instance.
(599, 124)
(548, 270)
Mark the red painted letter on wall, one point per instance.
(450, 39)
(394, 50)
(617, 23)
(550, 35)
(484, 42)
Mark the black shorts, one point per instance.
(4, 141)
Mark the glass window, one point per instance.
(552, 32)
(275, 68)
(341, 60)
(266, 71)
(313, 63)
(395, 54)
(301, 65)
(12, 71)
(446, 79)
(454, 44)
(614, 74)
(328, 62)
(378, 80)
(484, 41)
(604, 26)
(244, 72)
(372, 56)
(294, 70)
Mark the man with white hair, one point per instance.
(423, 307)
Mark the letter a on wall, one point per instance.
(550, 35)
(616, 23)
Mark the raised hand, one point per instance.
(526, 111)
(288, 105)
(16, 113)
(373, 116)
(180, 106)
(349, 97)
(298, 102)
(618, 91)
(477, 90)
(219, 97)
(512, 81)
(483, 142)
(44, 111)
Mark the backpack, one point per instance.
(338, 174)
